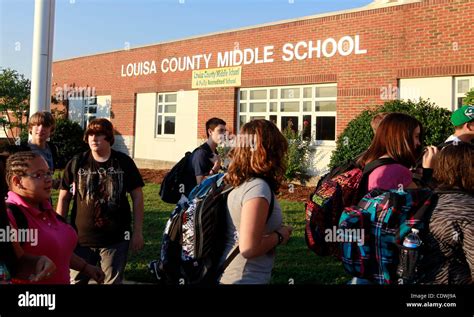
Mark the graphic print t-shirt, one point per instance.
(101, 214)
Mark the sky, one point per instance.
(85, 27)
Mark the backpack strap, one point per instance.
(20, 218)
(54, 153)
(369, 168)
(235, 251)
(377, 163)
(451, 191)
(272, 205)
(77, 161)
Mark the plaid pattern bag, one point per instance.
(383, 218)
(342, 187)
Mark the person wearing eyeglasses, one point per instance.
(14, 262)
(30, 181)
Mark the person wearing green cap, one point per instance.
(463, 121)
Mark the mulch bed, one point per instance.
(291, 192)
(153, 176)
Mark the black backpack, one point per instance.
(194, 243)
(172, 185)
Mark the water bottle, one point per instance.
(409, 257)
(4, 274)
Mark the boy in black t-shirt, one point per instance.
(99, 181)
(205, 160)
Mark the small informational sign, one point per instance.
(217, 77)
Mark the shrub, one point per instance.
(469, 99)
(358, 134)
(298, 156)
(68, 137)
(24, 135)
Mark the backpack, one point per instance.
(76, 162)
(171, 186)
(343, 186)
(194, 243)
(371, 232)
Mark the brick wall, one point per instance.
(431, 38)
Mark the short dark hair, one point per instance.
(42, 118)
(213, 123)
(101, 126)
(454, 167)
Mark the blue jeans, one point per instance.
(112, 260)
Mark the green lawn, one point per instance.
(294, 262)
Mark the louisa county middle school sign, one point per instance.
(217, 77)
(327, 48)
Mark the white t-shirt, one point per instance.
(452, 138)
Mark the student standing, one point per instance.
(29, 179)
(256, 172)
(449, 256)
(98, 181)
(204, 160)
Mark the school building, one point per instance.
(313, 74)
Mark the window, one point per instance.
(90, 110)
(166, 114)
(309, 109)
(462, 86)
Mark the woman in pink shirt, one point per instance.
(398, 138)
(30, 183)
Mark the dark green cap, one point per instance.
(462, 115)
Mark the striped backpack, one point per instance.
(370, 232)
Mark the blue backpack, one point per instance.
(370, 233)
(193, 247)
(193, 240)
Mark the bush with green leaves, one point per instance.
(68, 137)
(358, 134)
(469, 99)
(298, 157)
(14, 102)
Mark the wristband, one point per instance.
(280, 237)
